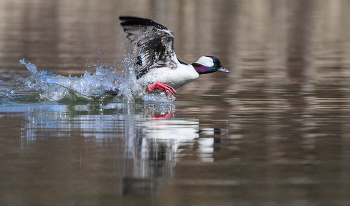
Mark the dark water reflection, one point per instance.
(275, 131)
(113, 150)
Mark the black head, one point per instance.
(208, 64)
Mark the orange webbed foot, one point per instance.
(163, 87)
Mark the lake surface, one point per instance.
(273, 131)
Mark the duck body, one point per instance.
(175, 78)
(157, 66)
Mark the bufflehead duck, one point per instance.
(157, 66)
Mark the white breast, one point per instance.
(175, 78)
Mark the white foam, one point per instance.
(54, 87)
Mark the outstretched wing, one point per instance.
(155, 41)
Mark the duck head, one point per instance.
(208, 64)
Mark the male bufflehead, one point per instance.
(157, 66)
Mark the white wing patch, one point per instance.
(205, 61)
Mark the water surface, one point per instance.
(274, 131)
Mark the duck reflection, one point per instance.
(158, 145)
(150, 145)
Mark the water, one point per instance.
(100, 86)
(54, 87)
(274, 131)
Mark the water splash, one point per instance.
(101, 85)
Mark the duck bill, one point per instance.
(223, 69)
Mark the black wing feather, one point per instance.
(156, 43)
(129, 20)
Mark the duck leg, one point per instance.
(163, 116)
(163, 87)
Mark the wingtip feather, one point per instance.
(133, 21)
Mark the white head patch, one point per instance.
(205, 61)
